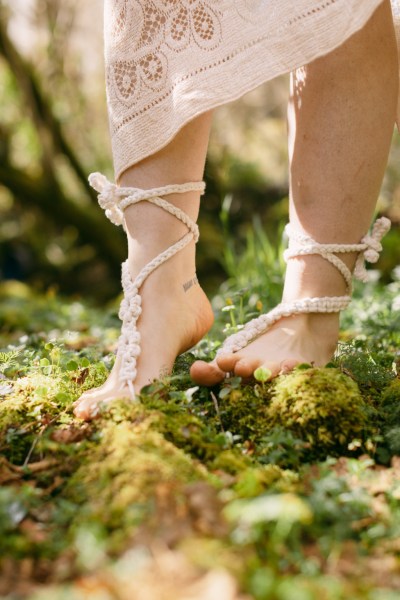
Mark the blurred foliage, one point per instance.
(249, 491)
(53, 133)
(260, 490)
(50, 226)
(278, 490)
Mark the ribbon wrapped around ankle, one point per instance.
(373, 247)
(368, 250)
(303, 245)
(114, 199)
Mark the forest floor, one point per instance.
(280, 491)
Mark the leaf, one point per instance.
(262, 374)
(277, 507)
(8, 359)
(224, 392)
(71, 365)
(80, 379)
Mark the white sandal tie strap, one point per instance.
(303, 245)
(114, 200)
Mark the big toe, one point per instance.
(87, 408)
(205, 373)
(228, 362)
(89, 405)
(244, 367)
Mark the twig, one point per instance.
(216, 406)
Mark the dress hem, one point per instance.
(141, 142)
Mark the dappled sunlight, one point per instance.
(222, 485)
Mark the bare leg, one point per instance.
(341, 118)
(175, 316)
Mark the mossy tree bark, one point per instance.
(46, 190)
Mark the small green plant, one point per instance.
(262, 374)
(281, 447)
(90, 498)
(8, 360)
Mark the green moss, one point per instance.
(256, 481)
(36, 401)
(192, 435)
(231, 461)
(127, 474)
(324, 407)
(173, 418)
(244, 412)
(88, 378)
(392, 438)
(15, 505)
(389, 414)
(390, 404)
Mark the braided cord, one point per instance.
(303, 245)
(114, 200)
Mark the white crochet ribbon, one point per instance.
(114, 200)
(303, 245)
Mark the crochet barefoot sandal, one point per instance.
(114, 200)
(303, 245)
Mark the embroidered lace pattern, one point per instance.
(169, 60)
(114, 200)
(303, 245)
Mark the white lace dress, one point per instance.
(170, 60)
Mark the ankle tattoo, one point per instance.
(190, 283)
(164, 372)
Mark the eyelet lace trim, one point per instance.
(114, 200)
(303, 245)
(168, 61)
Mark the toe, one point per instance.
(91, 393)
(84, 396)
(245, 367)
(288, 365)
(206, 373)
(86, 409)
(87, 395)
(228, 362)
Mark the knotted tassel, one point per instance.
(373, 248)
(108, 197)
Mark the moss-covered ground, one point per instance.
(287, 490)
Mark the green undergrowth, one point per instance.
(275, 490)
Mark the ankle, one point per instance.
(312, 277)
(147, 224)
(179, 268)
(325, 324)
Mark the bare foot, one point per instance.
(176, 314)
(309, 338)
